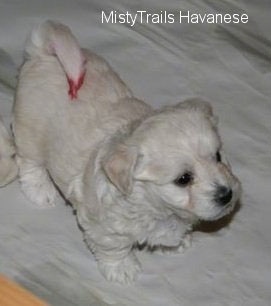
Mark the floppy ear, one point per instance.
(198, 104)
(119, 167)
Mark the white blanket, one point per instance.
(228, 64)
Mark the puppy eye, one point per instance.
(184, 180)
(218, 157)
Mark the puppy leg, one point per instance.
(122, 268)
(36, 183)
(170, 236)
(116, 259)
(168, 233)
(186, 242)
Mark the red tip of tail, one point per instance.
(74, 86)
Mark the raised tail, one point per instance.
(56, 39)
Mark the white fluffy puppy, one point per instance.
(134, 175)
(8, 167)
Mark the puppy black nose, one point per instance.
(223, 195)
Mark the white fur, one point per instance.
(115, 159)
(8, 167)
(56, 39)
(36, 183)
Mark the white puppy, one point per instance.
(8, 167)
(134, 175)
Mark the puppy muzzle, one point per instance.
(223, 195)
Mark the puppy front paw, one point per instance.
(186, 243)
(123, 271)
(167, 233)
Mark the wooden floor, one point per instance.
(11, 294)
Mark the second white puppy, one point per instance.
(134, 175)
(8, 166)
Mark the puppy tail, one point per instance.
(56, 39)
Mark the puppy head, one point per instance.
(175, 156)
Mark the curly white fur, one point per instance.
(8, 166)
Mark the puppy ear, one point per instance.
(198, 104)
(119, 167)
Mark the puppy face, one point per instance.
(178, 161)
